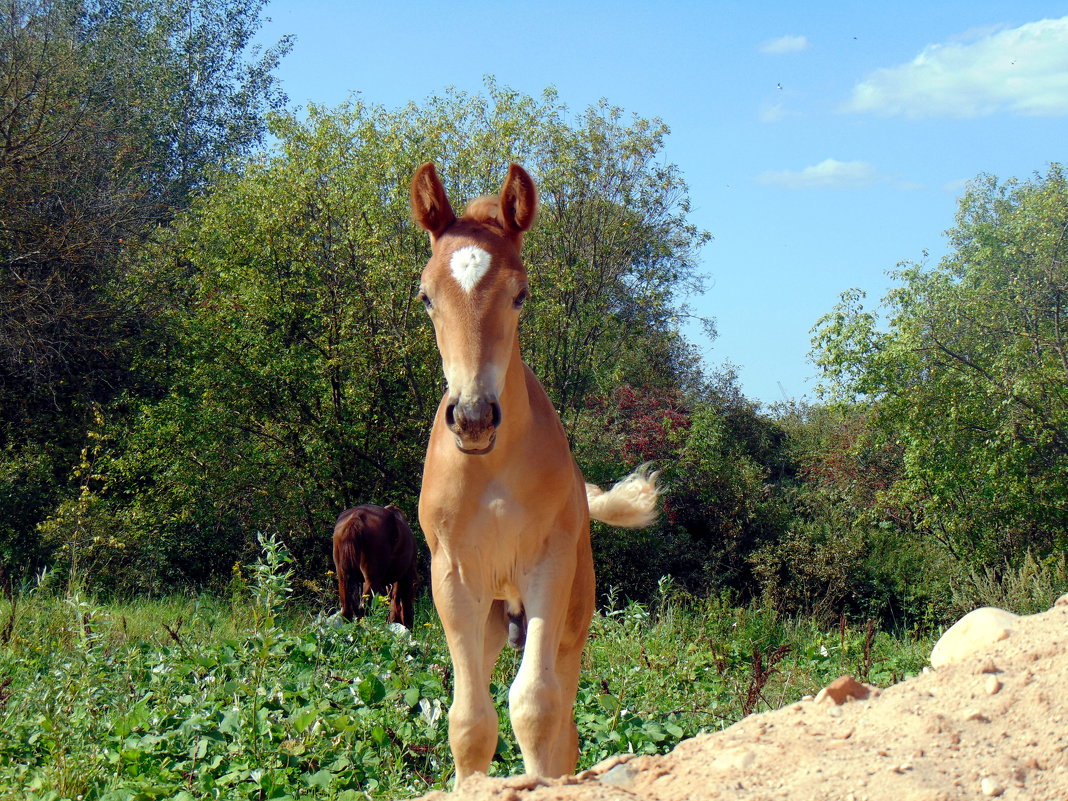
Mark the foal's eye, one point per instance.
(424, 298)
(521, 298)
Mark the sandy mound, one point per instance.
(992, 723)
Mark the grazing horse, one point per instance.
(504, 507)
(373, 546)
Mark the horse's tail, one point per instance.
(346, 546)
(631, 503)
(347, 563)
(347, 533)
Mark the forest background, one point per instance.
(209, 333)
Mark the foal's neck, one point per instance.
(515, 401)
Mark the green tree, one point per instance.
(725, 470)
(844, 547)
(968, 377)
(613, 254)
(303, 376)
(111, 113)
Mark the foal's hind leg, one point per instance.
(569, 661)
(566, 749)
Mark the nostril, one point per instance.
(474, 418)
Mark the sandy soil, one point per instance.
(991, 724)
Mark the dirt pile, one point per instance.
(992, 722)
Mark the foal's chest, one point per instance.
(496, 526)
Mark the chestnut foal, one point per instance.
(504, 507)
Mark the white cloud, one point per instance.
(957, 187)
(775, 113)
(785, 44)
(828, 174)
(1023, 70)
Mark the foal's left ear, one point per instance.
(519, 200)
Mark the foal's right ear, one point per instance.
(430, 206)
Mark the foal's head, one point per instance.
(473, 287)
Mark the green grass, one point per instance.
(248, 697)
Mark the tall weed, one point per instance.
(1026, 589)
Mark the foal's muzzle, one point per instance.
(474, 423)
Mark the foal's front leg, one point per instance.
(472, 633)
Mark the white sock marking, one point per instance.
(468, 265)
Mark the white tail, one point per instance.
(631, 503)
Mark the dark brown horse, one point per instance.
(374, 548)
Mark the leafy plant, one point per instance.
(196, 697)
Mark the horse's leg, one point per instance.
(343, 593)
(395, 610)
(356, 587)
(463, 611)
(350, 592)
(344, 560)
(539, 702)
(496, 636)
(566, 747)
(569, 660)
(407, 590)
(401, 609)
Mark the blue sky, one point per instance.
(823, 143)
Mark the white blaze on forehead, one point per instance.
(468, 265)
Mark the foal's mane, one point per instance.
(484, 210)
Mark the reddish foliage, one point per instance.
(648, 421)
(648, 424)
(852, 467)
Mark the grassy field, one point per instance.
(251, 696)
